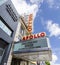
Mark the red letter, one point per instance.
(38, 35)
(31, 36)
(42, 34)
(27, 37)
(35, 36)
(23, 38)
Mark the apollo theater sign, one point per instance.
(33, 36)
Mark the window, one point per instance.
(5, 27)
(2, 1)
(22, 30)
(11, 12)
(3, 46)
(1, 53)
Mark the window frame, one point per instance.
(6, 26)
(22, 30)
(5, 44)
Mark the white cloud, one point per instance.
(36, 1)
(53, 28)
(22, 7)
(54, 59)
(53, 3)
(50, 2)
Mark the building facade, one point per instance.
(8, 25)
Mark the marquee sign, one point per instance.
(34, 49)
(42, 34)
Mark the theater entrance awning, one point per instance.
(33, 50)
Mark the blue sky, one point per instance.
(46, 17)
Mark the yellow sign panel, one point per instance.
(30, 23)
